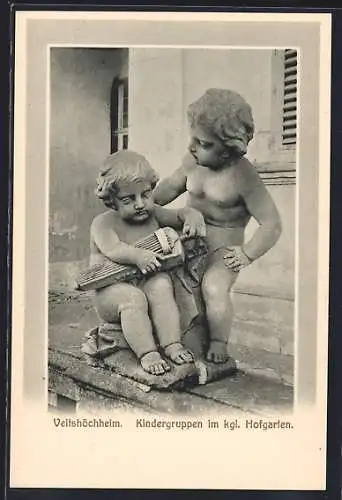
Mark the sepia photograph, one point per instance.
(171, 248)
(208, 331)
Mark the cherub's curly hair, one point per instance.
(227, 115)
(123, 166)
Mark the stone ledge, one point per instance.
(69, 377)
(81, 386)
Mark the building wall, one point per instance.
(156, 106)
(80, 89)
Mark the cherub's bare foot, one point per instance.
(217, 352)
(178, 353)
(153, 363)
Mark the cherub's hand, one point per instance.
(147, 261)
(236, 259)
(194, 224)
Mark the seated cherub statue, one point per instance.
(146, 309)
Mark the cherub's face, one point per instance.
(207, 149)
(133, 201)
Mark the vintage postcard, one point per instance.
(170, 250)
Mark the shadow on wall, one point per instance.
(80, 130)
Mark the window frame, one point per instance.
(118, 131)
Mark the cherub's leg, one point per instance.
(165, 317)
(216, 286)
(129, 304)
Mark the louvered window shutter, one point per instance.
(289, 124)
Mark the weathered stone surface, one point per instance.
(125, 363)
(95, 402)
(63, 385)
(106, 388)
(98, 388)
(259, 362)
(250, 393)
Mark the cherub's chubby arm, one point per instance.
(109, 244)
(187, 219)
(170, 188)
(261, 206)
